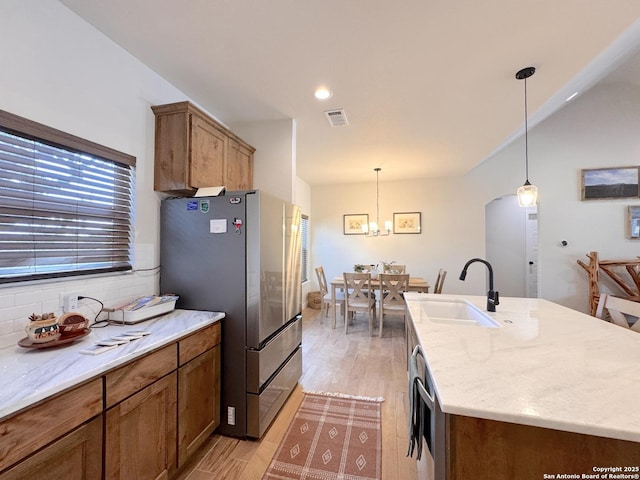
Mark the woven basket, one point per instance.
(315, 300)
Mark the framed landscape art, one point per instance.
(633, 214)
(407, 222)
(353, 223)
(608, 183)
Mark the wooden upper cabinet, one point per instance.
(239, 171)
(193, 151)
(209, 148)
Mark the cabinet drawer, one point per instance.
(199, 342)
(37, 426)
(77, 455)
(134, 376)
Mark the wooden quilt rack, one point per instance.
(624, 273)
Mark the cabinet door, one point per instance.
(141, 434)
(198, 402)
(76, 456)
(171, 172)
(44, 423)
(208, 151)
(239, 170)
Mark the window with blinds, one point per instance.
(304, 240)
(65, 204)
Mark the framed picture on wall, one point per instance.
(633, 221)
(407, 222)
(353, 223)
(605, 183)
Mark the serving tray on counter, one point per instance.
(62, 340)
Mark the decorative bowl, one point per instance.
(42, 331)
(72, 323)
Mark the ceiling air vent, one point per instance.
(337, 118)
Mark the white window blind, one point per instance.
(63, 211)
(304, 228)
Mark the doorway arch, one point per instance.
(511, 243)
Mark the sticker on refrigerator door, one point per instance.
(237, 223)
(235, 200)
(204, 206)
(192, 205)
(218, 225)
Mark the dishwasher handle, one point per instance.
(427, 398)
(421, 406)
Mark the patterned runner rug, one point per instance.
(331, 436)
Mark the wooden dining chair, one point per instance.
(359, 297)
(618, 310)
(392, 288)
(396, 269)
(327, 301)
(437, 288)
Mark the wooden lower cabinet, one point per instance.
(140, 437)
(75, 456)
(198, 402)
(152, 414)
(41, 427)
(134, 376)
(487, 450)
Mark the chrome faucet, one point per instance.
(492, 297)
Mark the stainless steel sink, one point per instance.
(456, 312)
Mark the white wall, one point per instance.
(275, 156)
(60, 71)
(452, 230)
(72, 78)
(69, 76)
(598, 129)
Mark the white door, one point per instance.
(531, 227)
(512, 246)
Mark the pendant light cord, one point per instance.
(378, 197)
(526, 133)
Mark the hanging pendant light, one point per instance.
(373, 229)
(527, 193)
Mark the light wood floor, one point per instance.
(355, 364)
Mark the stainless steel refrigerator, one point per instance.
(240, 254)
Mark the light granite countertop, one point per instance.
(31, 375)
(545, 366)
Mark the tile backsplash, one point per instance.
(20, 301)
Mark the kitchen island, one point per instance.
(545, 391)
(62, 410)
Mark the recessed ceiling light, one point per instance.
(323, 93)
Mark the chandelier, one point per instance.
(373, 229)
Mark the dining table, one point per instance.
(416, 284)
